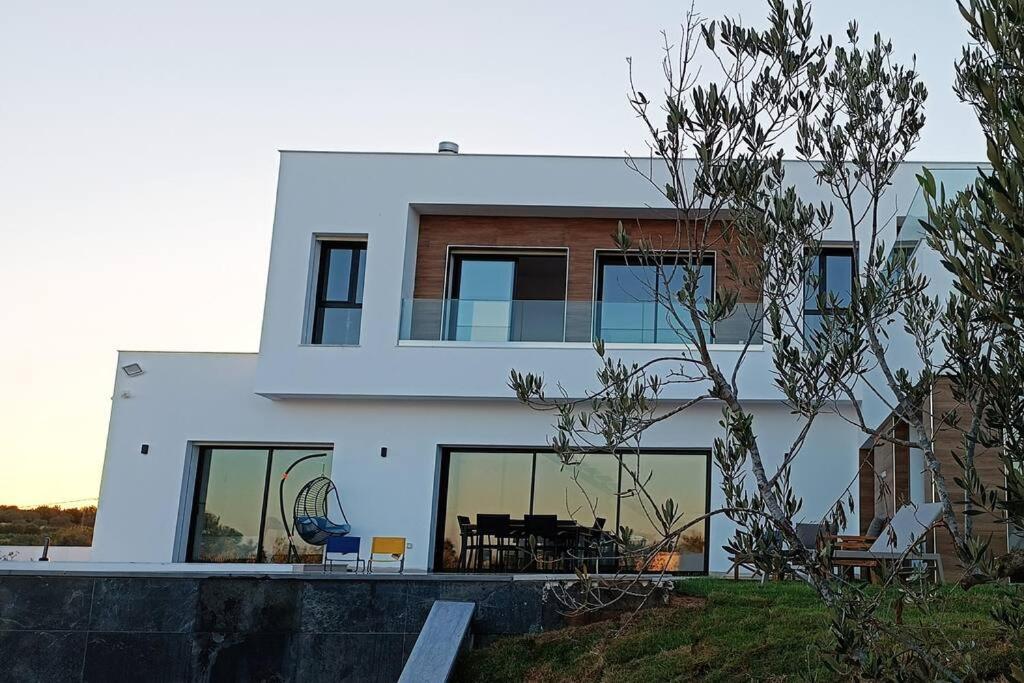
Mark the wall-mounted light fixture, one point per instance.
(383, 451)
(132, 369)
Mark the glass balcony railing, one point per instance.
(563, 321)
(912, 232)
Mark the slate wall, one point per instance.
(136, 628)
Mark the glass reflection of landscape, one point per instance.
(631, 304)
(521, 483)
(230, 522)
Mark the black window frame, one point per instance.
(602, 258)
(441, 509)
(821, 258)
(201, 465)
(456, 256)
(321, 303)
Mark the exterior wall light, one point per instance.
(132, 369)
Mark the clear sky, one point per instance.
(138, 157)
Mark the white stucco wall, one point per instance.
(378, 196)
(413, 398)
(183, 399)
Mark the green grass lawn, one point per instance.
(734, 631)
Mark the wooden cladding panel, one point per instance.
(884, 475)
(990, 469)
(581, 236)
(866, 488)
(901, 461)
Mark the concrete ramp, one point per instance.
(439, 643)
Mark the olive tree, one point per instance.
(979, 234)
(853, 113)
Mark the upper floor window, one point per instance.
(498, 297)
(339, 293)
(829, 286)
(633, 298)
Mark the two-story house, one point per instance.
(402, 289)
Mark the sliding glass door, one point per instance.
(599, 492)
(632, 298)
(236, 510)
(500, 297)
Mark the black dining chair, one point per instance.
(494, 538)
(544, 541)
(470, 545)
(597, 544)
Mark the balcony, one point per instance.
(547, 322)
(910, 232)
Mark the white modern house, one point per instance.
(402, 289)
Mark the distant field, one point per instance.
(29, 526)
(721, 630)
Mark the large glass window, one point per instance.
(482, 483)
(597, 493)
(684, 481)
(586, 494)
(339, 293)
(629, 293)
(500, 297)
(829, 286)
(236, 512)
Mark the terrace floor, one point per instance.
(244, 570)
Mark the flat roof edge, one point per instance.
(622, 157)
(189, 353)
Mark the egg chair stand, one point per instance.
(309, 514)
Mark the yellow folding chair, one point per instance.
(387, 549)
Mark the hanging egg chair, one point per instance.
(309, 515)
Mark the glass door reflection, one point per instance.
(591, 504)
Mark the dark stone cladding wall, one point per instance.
(151, 628)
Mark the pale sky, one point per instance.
(138, 158)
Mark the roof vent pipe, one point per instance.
(447, 147)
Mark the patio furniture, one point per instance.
(340, 549)
(470, 544)
(542, 541)
(897, 543)
(309, 514)
(599, 545)
(495, 539)
(387, 549)
(811, 535)
(863, 541)
(499, 542)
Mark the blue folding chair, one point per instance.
(339, 548)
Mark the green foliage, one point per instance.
(856, 113)
(979, 234)
(223, 543)
(30, 526)
(735, 631)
